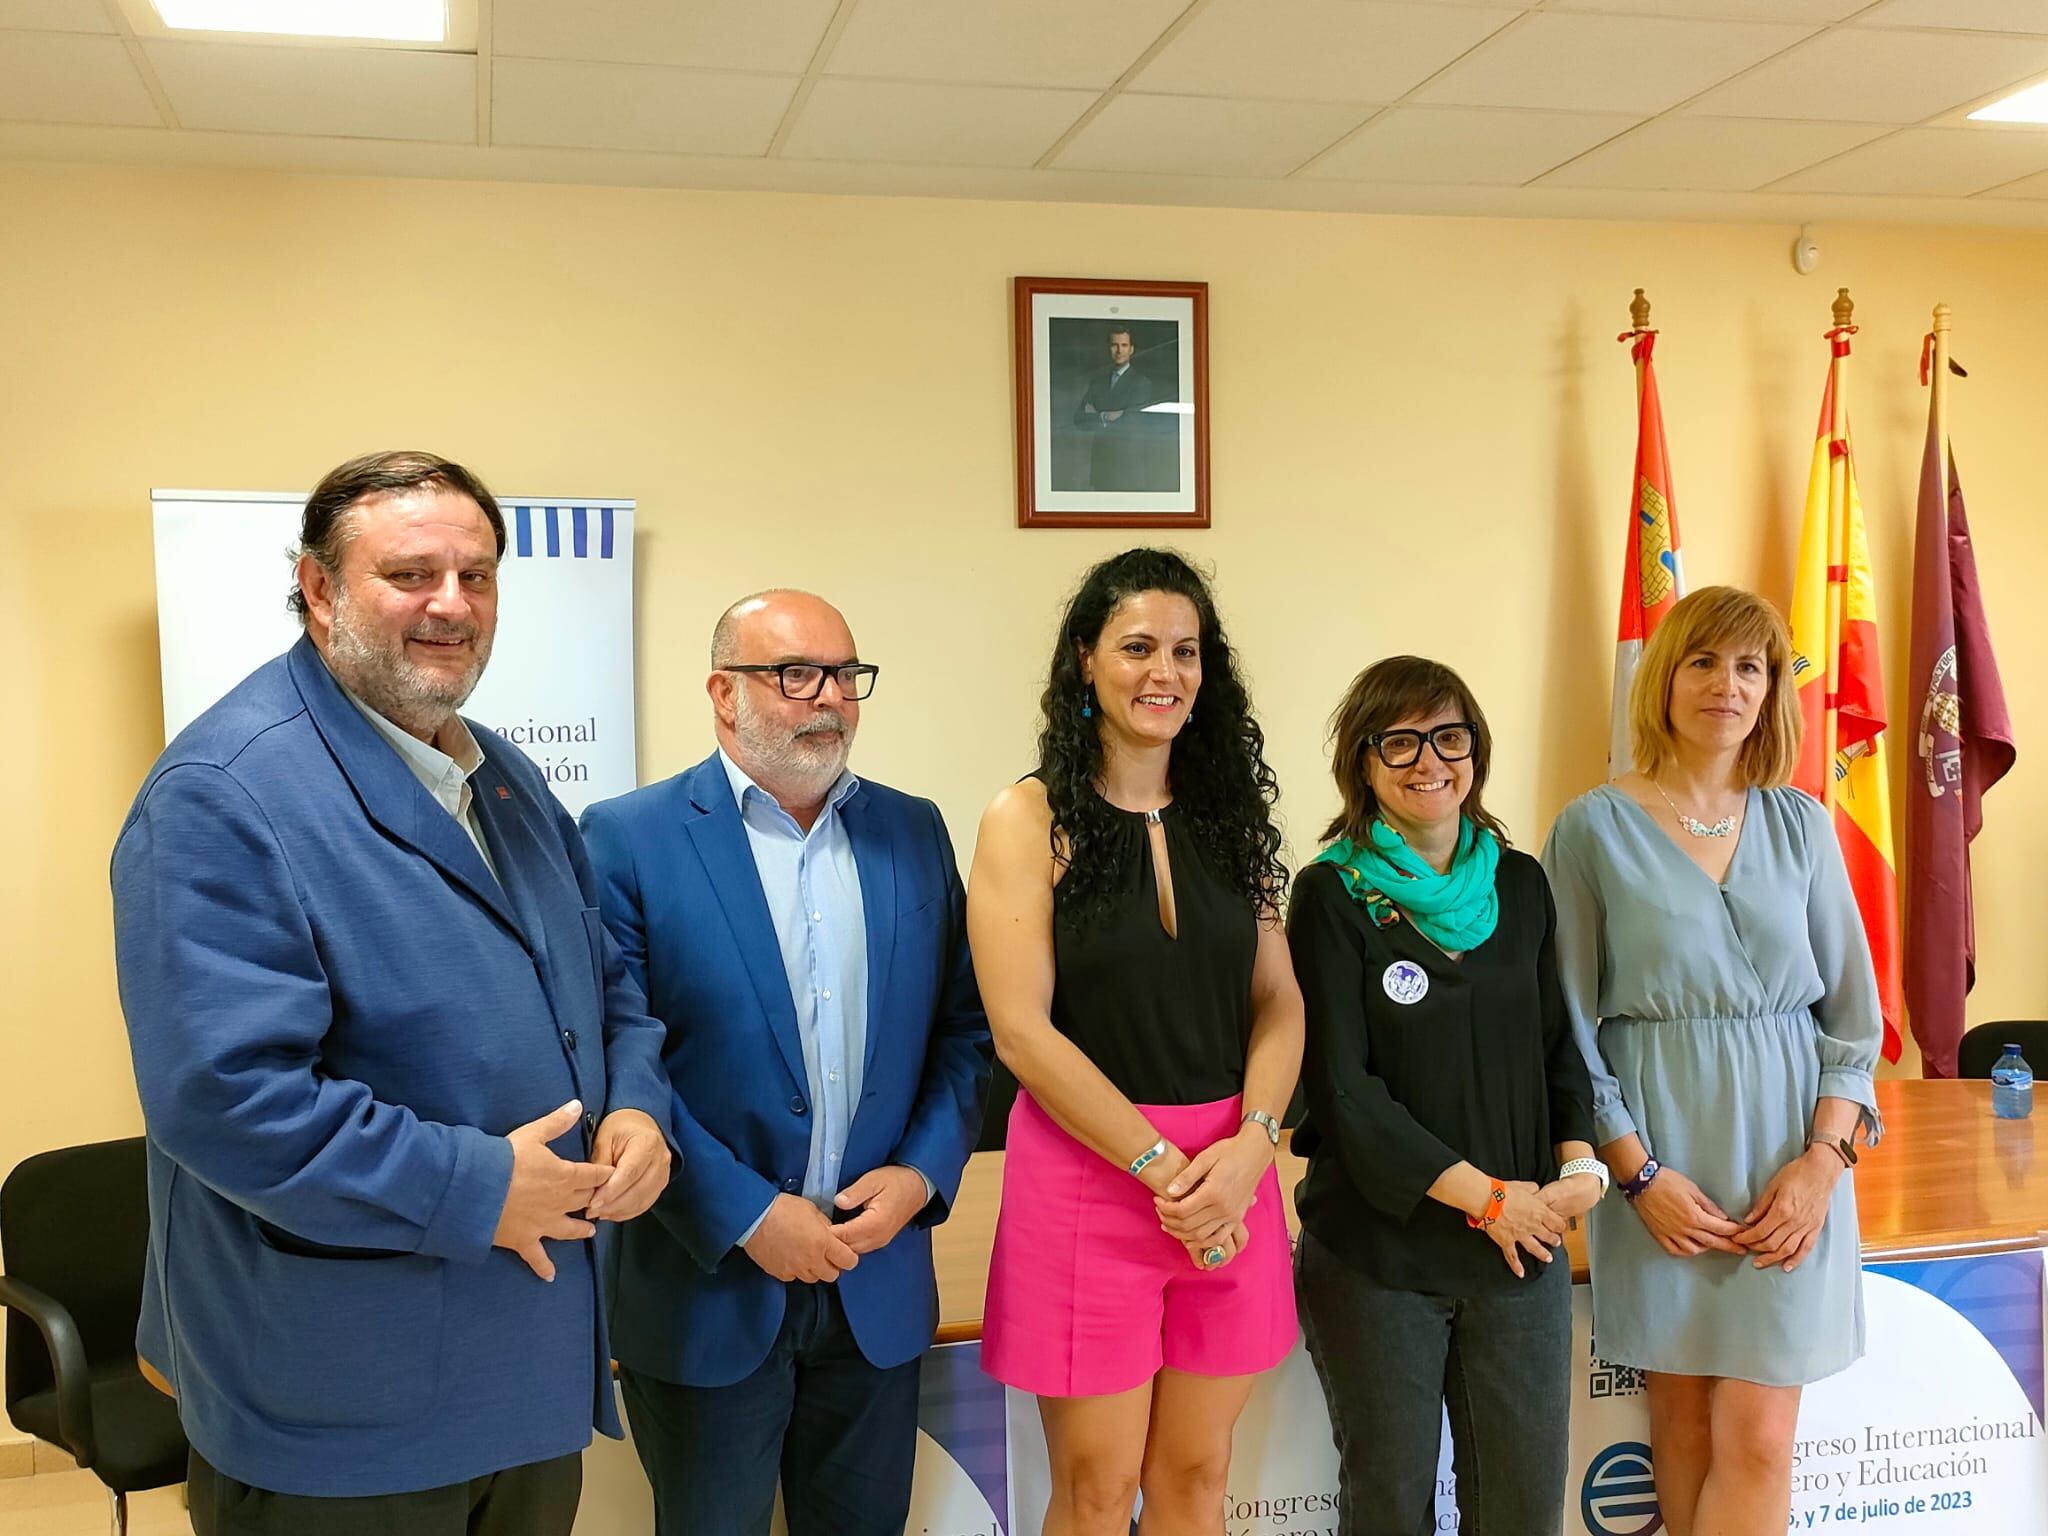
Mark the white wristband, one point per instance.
(1591, 1165)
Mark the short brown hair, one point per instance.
(1713, 618)
(325, 529)
(1385, 693)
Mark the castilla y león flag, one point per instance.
(1841, 686)
(1963, 746)
(1652, 575)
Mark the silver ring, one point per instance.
(1213, 1257)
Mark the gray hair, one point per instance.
(725, 634)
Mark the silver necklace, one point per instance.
(1725, 827)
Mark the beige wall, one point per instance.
(1422, 439)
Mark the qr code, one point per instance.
(1610, 1380)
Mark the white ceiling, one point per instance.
(1794, 109)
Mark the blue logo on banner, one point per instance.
(1999, 1295)
(1618, 1498)
(581, 523)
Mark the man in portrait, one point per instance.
(1113, 412)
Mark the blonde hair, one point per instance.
(1716, 618)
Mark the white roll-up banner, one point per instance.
(560, 680)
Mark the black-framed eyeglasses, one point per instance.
(806, 679)
(1453, 741)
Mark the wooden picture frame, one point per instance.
(1111, 403)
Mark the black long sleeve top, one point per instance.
(1480, 1067)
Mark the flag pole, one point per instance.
(1838, 530)
(1639, 322)
(1939, 383)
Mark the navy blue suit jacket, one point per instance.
(336, 1014)
(682, 897)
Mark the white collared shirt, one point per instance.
(442, 775)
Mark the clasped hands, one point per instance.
(552, 1197)
(1532, 1219)
(1202, 1200)
(1780, 1228)
(797, 1241)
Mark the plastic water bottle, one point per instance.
(2012, 1086)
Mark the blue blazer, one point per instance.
(336, 1014)
(681, 895)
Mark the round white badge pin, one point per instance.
(1405, 982)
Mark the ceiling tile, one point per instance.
(1877, 77)
(1081, 43)
(1719, 154)
(2031, 186)
(1929, 162)
(916, 123)
(52, 77)
(1605, 63)
(1196, 136)
(355, 93)
(1960, 15)
(56, 15)
(772, 35)
(1315, 50)
(569, 104)
(1464, 145)
(1815, 11)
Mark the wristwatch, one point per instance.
(1264, 1122)
(1841, 1146)
(1591, 1165)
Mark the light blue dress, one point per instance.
(1712, 1017)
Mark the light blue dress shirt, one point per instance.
(814, 901)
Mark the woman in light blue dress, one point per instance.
(1720, 984)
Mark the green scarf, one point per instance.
(1457, 910)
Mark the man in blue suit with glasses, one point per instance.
(802, 935)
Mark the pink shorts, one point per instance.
(1086, 1295)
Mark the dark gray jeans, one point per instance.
(1392, 1362)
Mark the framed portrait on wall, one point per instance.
(1112, 403)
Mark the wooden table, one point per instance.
(1949, 1178)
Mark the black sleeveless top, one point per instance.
(1166, 1019)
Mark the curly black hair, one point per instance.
(1222, 787)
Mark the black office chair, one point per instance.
(74, 1227)
(1981, 1047)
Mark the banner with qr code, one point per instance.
(559, 685)
(1936, 1430)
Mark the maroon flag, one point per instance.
(1964, 746)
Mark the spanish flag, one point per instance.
(1652, 575)
(1841, 685)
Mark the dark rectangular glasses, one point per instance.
(1453, 741)
(806, 679)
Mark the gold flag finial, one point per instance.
(1639, 312)
(1845, 307)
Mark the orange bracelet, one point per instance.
(1494, 1202)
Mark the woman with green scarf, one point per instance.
(1450, 1124)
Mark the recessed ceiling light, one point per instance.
(2028, 106)
(397, 21)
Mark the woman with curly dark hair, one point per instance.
(1124, 916)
